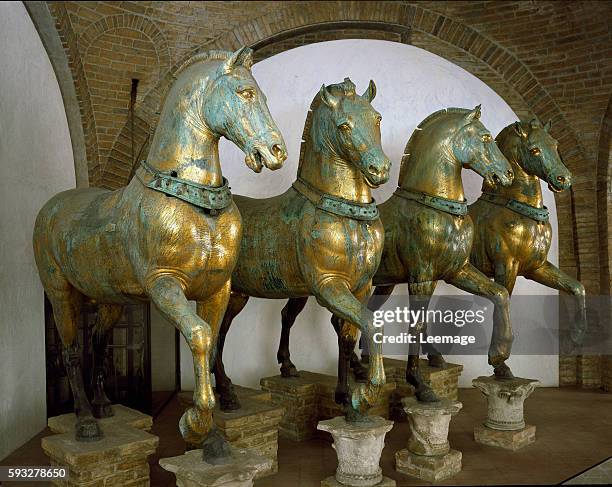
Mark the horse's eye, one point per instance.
(345, 127)
(487, 138)
(535, 151)
(247, 94)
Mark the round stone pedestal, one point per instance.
(429, 456)
(358, 446)
(505, 424)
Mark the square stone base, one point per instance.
(119, 458)
(65, 423)
(509, 440)
(332, 482)
(432, 469)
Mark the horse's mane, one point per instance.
(202, 57)
(416, 135)
(346, 88)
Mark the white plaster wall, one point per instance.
(412, 83)
(35, 163)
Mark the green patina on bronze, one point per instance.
(139, 242)
(514, 239)
(322, 237)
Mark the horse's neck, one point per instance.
(435, 174)
(331, 174)
(524, 188)
(183, 142)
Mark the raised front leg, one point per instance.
(288, 315)
(228, 399)
(108, 315)
(473, 281)
(420, 296)
(168, 295)
(336, 296)
(552, 276)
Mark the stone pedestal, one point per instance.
(119, 458)
(443, 381)
(253, 426)
(310, 398)
(429, 456)
(191, 470)
(505, 424)
(123, 416)
(358, 446)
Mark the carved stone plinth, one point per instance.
(253, 426)
(443, 381)
(429, 456)
(429, 468)
(119, 458)
(310, 398)
(358, 447)
(191, 470)
(123, 416)
(505, 424)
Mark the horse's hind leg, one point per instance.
(108, 315)
(379, 297)
(288, 315)
(228, 399)
(66, 304)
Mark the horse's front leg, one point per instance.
(288, 315)
(420, 296)
(379, 297)
(552, 276)
(168, 295)
(473, 281)
(335, 294)
(212, 310)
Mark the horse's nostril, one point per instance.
(278, 151)
(561, 179)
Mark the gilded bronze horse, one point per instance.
(322, 237)
(428, 235)
(513, 234)
(171, 235)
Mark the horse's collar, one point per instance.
(335, 204)
(454, 207)
(538, 214)
(200, 195)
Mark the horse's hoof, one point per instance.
(289, 371)
(102, 410)
(426, 394)
(437, 361)
(352, 415)
(229, 401)
(88, 429)
(215, 449)
(503, 372)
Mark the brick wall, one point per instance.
(546, 59)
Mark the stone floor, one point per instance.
(574, 433)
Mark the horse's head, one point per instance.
(474, 147)
(236, 108)
(348, 126)
(537, 154)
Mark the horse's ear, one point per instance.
(330, 100)
(518, 128)
(242, 57)
(548, 126)
(370, 93)
(473, 115)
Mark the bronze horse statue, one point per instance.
(428, 236)
(171, 235)
(323, 236)
(513, 234)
